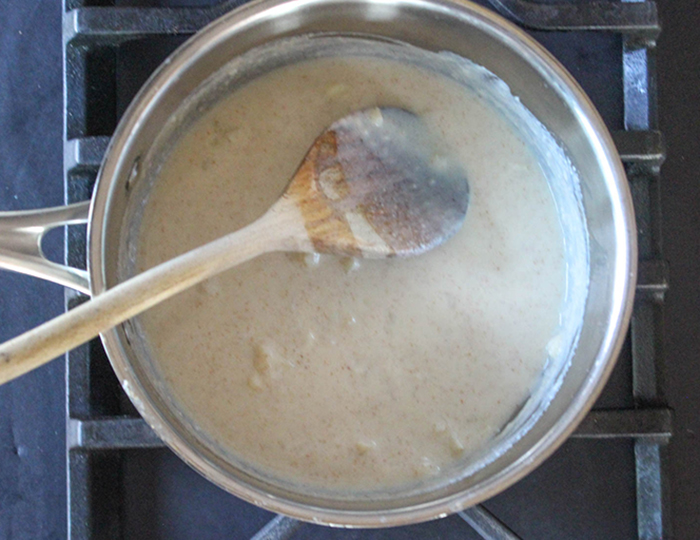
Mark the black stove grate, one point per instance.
(607, 481)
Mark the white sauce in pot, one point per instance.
(348, 374)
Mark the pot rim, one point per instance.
(624, 279)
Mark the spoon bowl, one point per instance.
(375, 184)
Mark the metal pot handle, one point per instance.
(21, 233)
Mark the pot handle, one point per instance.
(21, 233)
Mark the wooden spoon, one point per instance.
(374, 184)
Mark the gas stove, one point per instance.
(607, 481)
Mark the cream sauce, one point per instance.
(349, 374)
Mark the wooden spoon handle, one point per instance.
(129, 298)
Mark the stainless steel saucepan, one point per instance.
(538, 80)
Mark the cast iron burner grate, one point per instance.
(607, 481)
